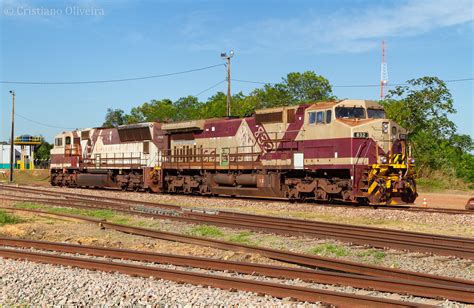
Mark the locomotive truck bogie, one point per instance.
(342, 150)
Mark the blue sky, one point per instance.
(53, 41)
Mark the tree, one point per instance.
(307, 87)
(187, 108)
(216, 106)
(42, 152)
(271, 96)
(296, 88)
(114, 118)
(157, 110)
(422, 105)
(423, 108)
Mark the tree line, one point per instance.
(423, 106)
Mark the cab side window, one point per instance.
(312, 118)
(320, 117)
(58, 142)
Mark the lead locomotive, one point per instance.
(332, 151)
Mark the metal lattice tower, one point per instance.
(383, 73)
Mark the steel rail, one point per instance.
(288, 257)
(345, 204)
(440, 244)
(381, 284)
(381, 207)
(216, 281)
(426, 243)
(316, 225)
(260, 218)
(388, 285)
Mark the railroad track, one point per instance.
(461, 294)
(347, 204)
(376, 237)
(222, 282)
(309, 261)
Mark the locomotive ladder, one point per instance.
(364, 179)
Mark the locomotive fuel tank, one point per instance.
(246, 180)
(96, 180)
(225, 179)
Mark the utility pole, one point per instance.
(227, 57)
(12, 138)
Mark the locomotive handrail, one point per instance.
(200, 156)
(359, 150)
(131, 159)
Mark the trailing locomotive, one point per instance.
(333, 151)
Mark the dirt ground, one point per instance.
(450, 200)
(39, 177)
(57, 229)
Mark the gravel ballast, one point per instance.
(396, 219)
(45, 284)
(30, 283)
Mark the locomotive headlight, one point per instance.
(385, 127)
(383, 159)
(412, 161)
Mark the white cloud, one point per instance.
(346, 30)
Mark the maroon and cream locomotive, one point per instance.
(345, 151)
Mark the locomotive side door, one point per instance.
(298, 160)
(97, 161)
(225, 152)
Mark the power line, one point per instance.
(211, 87)
(357, 86)
(250, 81)
(41, 123)
(112, 80)
(62, 127)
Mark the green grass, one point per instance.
(438, 181)
(242, 238)
(375, 255)
(330, 249)
(6, 219)
(205, 230)
(26, 177)
(99, 213)
(431, 185)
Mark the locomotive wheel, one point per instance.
(409, 195)
(379, 196)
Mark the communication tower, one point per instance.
(383, 74)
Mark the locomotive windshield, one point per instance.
(376, 113)
(350, 113)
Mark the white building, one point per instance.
(5, 155)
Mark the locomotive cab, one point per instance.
(380, 144)
(356, 136)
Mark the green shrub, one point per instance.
(6, 218)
